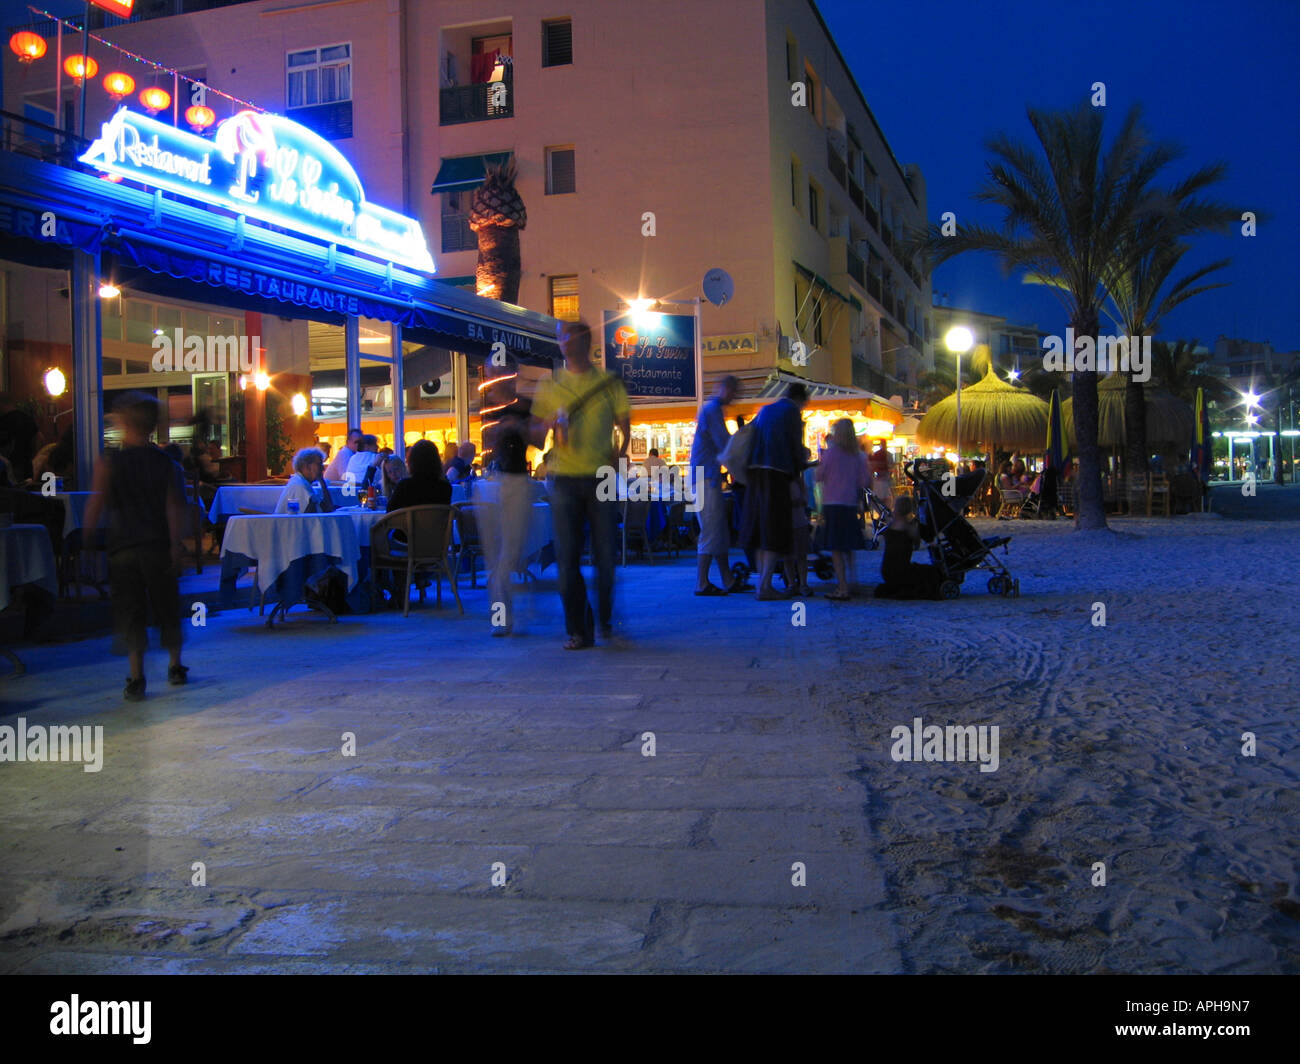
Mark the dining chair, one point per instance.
(635, 516)
(467, 533)
(424, 548)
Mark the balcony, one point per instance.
(873, 288)
(476, 103)
(857, 196)
(456, 233)
(856, 268)
(838, 167)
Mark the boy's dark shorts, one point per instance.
(141, 578)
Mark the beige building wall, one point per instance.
(678, 109)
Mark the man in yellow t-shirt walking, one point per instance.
(582, 405)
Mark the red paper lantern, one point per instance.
(119, 85)
(27, 45)
(79, 67)
(200, 117)
(155, 99)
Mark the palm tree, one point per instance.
(1180, 368)
(1073, 213)
(496, 215)
(1135, 291)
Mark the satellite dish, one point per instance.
(718, 286)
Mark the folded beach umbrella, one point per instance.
(1054, 458)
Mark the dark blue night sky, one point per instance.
(1219, 78)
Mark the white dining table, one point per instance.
(230, 498)
(26, 557)
(276, 541)
(74, 510)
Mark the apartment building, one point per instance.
(654, 141)
(1015, 347)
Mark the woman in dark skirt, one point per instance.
(843, 474)
(904, 578)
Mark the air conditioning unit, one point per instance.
(438, 388)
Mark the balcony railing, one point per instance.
(456, 233)
(839, 169)
(26, 136)
(857, 196)
(857, 269)
(476, 103)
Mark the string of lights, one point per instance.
(159, 68)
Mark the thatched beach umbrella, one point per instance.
(1171, 423)
(994, 415)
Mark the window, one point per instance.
(560, 176)
(557, 43)
(795, 183)
(456, 233)
(564, 298)
(318, 75)
(814, 92)
(791, 60)
(815, 206)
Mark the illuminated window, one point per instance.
(318, 75)
(560, 175)
(814, 92)
(564, 298)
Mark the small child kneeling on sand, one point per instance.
(903, 578)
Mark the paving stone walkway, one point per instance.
(469, 751)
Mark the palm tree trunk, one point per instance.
(498, 272)
(1136, 451)
(1091, 506)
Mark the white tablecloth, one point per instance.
(74, 507)
(26, 557)
(230, 497)
(275, 541)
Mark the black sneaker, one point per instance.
(176, 674)
(134, 690)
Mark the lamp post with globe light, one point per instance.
(958, 339)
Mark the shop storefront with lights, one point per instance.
(236, 270)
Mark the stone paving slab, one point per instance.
(469, 751)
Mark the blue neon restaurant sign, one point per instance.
(654, 354)
(265, 167)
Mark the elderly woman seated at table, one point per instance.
(307, 486)
(425, 486)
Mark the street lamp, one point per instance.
(958, 339)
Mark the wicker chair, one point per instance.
(424, 548)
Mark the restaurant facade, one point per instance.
(208, 270)
(626, 177)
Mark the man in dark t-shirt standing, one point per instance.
(144, 493)
(509, 510)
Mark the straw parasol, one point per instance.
(1170, 421)
(995, 414)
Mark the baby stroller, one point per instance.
(879, 515)
(955, 547)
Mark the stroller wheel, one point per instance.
(824, 569)
(996, 586)
(949, 589)
(740, 571)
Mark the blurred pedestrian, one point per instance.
(144, 493)
(844, 474)
(508, 510)
(582, 405)
(775, 460)
(711, 436)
